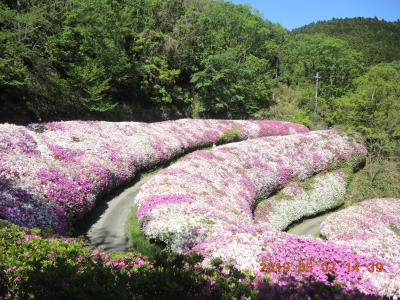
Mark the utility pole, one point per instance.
(317, 78)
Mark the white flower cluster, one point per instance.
(302, 199)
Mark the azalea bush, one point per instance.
(260, 250)
(302, 199)
(51, 174)
(364, 220)
(33, 266)
(37, 267)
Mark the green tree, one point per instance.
(90, 51)
(231, 85)
(334, 59)
(156, 79)
(373, 109)
(28, 81)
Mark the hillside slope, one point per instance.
(379, 40)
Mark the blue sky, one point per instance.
(295, 13)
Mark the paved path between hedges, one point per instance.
(110, 231)
(309, 227)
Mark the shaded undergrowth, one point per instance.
(138, 241)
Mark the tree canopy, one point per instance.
(378, 40)
(373, 109)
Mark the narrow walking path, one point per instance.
(110, 230)
(309, 227)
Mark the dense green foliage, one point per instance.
(378, 179)
(54, 268)
(373, 109)
(203, 57)
(337, 63)
(36, 267)
(288, 104)
(378, 40)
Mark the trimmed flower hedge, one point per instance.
(51, 174)
(365, 220)
(302, 199)
(206, 191)
(204, 204)
(372, 229)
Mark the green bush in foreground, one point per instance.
(35, 267)
(38, 268)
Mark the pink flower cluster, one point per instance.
(127, 261)
(205, 201)
(51, 174)
(371, 228)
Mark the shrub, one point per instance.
(223, 183)
(53, 268)
(302, 199)
(301, 118)
(230, 135)
(377, 180)
(36, 267)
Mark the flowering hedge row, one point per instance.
(207, 190)
(51, 174)
(365, 220)
(302, 199)
(371, 228)
(204, 202)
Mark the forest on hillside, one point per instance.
(152, 60)
(378, 40)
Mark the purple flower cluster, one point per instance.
(51, 174)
